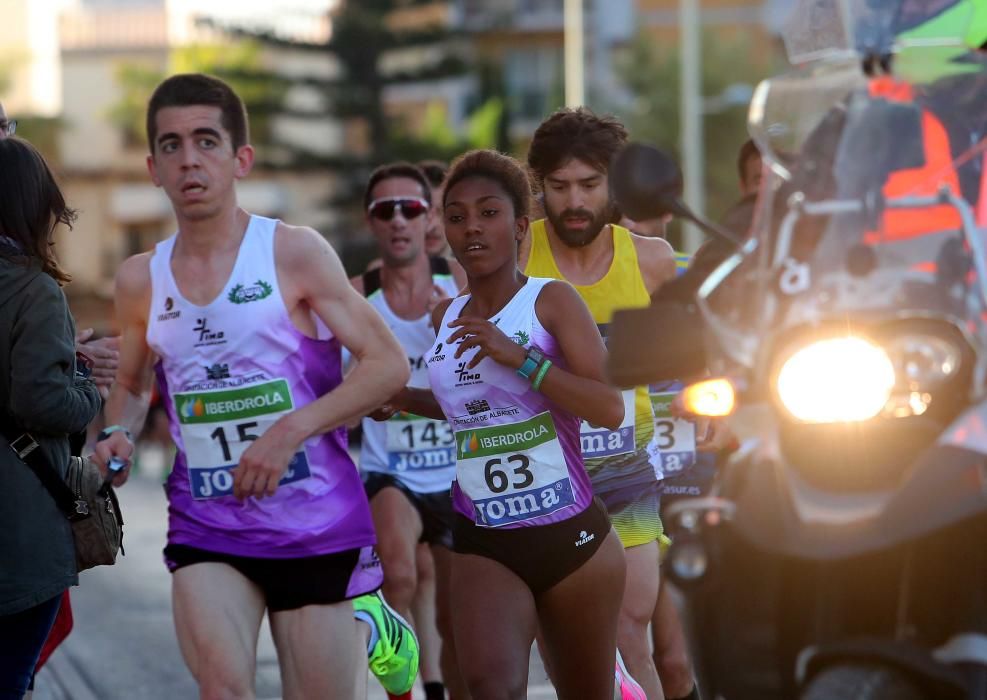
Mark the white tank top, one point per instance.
(518, 458)
(420, 452)
(227, 371)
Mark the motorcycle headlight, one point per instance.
(846, 379)
(922, 360)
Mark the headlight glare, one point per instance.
(846, 379)
(711, 397)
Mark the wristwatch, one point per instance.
(534, 358)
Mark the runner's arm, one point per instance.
(581, 388)
(131, 391)
(656, 258)
(421, 402)
(318, 283)
(381, 367)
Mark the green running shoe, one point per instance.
(394, 658)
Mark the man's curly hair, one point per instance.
(574, 133)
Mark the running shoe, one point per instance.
(394, 657)
(625, 687)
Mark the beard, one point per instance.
(580, 238)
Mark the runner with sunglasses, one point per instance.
(517, 363)
(408, 462)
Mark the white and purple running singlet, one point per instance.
(518, 458)
(227, 371)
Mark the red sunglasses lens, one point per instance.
(410, 209)
(383, 210)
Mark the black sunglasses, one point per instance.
(410, 207)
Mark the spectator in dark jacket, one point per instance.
(40, 393)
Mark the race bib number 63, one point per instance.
(218, 426)
(513, 472)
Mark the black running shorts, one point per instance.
(288, 584)
(543, 555)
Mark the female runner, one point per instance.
(517, 363)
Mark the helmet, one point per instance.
(976, 33)
(962, 19)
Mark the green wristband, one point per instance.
(542, 371)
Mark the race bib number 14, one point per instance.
(415, 443)
(218, 426)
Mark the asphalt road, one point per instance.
(123, 645)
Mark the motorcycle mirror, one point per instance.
(661, 342)
(646, 183)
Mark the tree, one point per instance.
(40, 131)
(239, 64)
(437, 140)
(367, 37)
(365, 34)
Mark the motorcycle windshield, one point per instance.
(873, 206)
(826, 30)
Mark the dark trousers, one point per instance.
(21, 637)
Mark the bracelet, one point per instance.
(109, 430)
(542, 371)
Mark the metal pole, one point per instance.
(573, 32)
(691, 103)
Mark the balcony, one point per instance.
(511, 15)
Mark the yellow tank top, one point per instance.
(629, 453)
(621, 288)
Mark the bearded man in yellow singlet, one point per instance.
(612, 269)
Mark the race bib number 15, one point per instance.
(218, 426)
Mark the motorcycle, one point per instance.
(842, 552)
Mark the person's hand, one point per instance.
(263, 464)
(476, 332)
(677, 407)
(393, 406)
(105, 354)
(712, 434)
(717, 437)
(116, 445)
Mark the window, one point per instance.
(530, 76)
